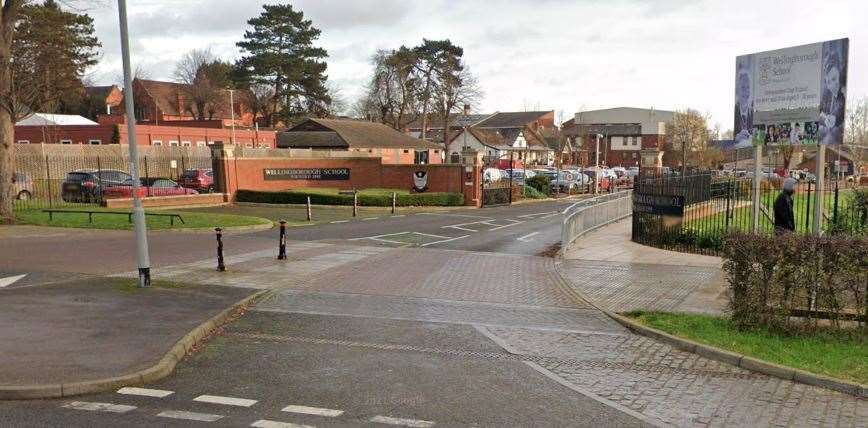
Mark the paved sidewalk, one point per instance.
(620, 275)
(96, 328)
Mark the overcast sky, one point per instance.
(562, 55)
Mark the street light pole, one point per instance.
(142, 257)
(232, 112)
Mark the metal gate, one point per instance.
(496, 193)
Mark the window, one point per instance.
(186, 143)
(421, 157)
(65, 141)
(406, 151)
(23, 141)
(95, 142)
(201, 144)
(173, 143)
(634, 155)
(634, 140)
(156, 143)
(164, 183)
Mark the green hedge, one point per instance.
(300, 197)
(532, 193)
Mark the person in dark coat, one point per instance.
(785, 221)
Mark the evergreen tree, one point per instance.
(279, 52)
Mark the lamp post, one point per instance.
(142, 257)
(232, 111)
(597, 165)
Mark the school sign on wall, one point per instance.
(317, 174)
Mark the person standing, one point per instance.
(785, 221)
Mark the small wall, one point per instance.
(168, 201)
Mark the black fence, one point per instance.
(58, 181)
(693, 213)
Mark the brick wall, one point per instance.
(145, 134)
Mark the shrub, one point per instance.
(540, 183)
(532, 193)
(374, 200)
(773, 277)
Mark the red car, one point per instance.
(149, 187)
(201, 180)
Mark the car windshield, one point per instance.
(77, 177)
(190, 173)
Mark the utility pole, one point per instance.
(232, 111)
(142, 257)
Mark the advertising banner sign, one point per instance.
(276, 174)
(791, 96)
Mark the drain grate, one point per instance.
(501, 356)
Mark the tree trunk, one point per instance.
(7, 164)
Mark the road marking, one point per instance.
(414, 423)
(514, 222)
(459, 215)
(318, 411)
(525, 237)
(265, 423)
(549, 216)
(190, 416)
(99, 407)
(432, 236)
(536, 214)
(460, 226)
(444, 240)
(370, 218)
(5, 282)
(229, 401)
(339, 221)
(159, 393)
(398, 215)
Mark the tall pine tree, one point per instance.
(279, 52)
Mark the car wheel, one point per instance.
(24, 195)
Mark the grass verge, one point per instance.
(103, 220)
(843, 355)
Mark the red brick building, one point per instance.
(625, 131)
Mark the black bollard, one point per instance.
(281, 253)
(220, 266)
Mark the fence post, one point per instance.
(757, 178)
(99, 176)
(309, 216)
(395, 201)
(808, 209)
(147, 177)
(48, 179)
(281, 251)
(728, 195)
(220, 265)
(355, 203)
(835, 207)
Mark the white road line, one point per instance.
(515, 222)
(430, 235)
(398, 215)
(159, 393)
(265, 423)
(461, 227)
(190, 416)
(536, 214)
(378, 236)
(99, 407)
(229, 401)
(549, 216)
(370, 218)
(444, 240)
(9, 280)
(414, 423)
(339, 221)
(318, 411)
(525, 237)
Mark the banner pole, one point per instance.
(757, 178)
(818, 204)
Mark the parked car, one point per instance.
(490, 175)
(600, 177)
(631, 172)
(150, 187)
(564, 183)
(22, 186)
(519, 176)
(88, 185)
(200, 180)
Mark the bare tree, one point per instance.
(856, 135)
(259, 99)
(687, 132)
(454, 94)
(392, 89)
(204, 78)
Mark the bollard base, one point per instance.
(144, 277)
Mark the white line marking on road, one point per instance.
(525, 237)
(190, 416)
(318, 411)
(339, 221)
(98, 407)
(378, 236)
(229, 401)
(459, 215)
(414, 423)
(460, 226)
(549, 216)
(159, 393)
(369, 218)
(265, 423)
(398, 215)
(444, 240)
(536, 214)
(432, 236)
(514, 222)
(9, 280)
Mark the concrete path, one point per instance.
(92, 328)
(620, 275)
